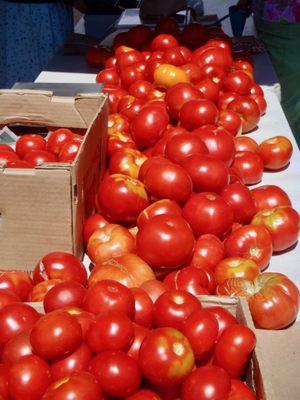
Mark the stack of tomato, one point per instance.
(61, 145)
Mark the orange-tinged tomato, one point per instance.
(18, 282)
(127, 162)
(40, 290)
(236, 267)
(117, 123)
(276, 152)
(167, 75)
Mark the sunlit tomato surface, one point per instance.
(118, 373)
(154, 288)
(128, 269)
(144, 395)
(213, 55)
(238, 82)
(29, 377)
(108, 76)
(58, 138)
(184, 145)
(117, 123)
(207, 173)
(17, 347)
(127, 162)
(60, 265)
(240, 391)
(168, 351)
(272, 297)
(40, 290)
(194, 35)
(245, 143)
(206, 383)
(167, 75)
(163, 42)
(178, 56)
(168, 181)
(78, 386)
(231, 121)
(165, 241)
(275, 152)
(225, 99)
(248, 110)
(160, 207)
(270, 196)
(64, 294)
(213, 72)
(261, 103)
(173, 307)
(119, 141)
(30, 142)
(282, 222)
(18, 282)
(143, 307)
(223, 317)
(241, 65)
(193, 72)
(236, 267)
(126, 58)
(198, 112)
(111, 62)
(109, 295)
(140, 89)
(233, 349)
(241, 200)
(97, 55)
(208, 213)
(208, 89)
(38, 157)
(115, 94)
(208, 252)
(92, 224)
(131, 74)
(84, 318)
(201, 328)
(250, 166)
(179, 94)
(69, 151)
(140, 332)
(130, 107)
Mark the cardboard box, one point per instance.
(43, 209)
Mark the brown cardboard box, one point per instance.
(42, 209)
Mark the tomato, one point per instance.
(181, 146)
(114, 94)
(119, 141)
(77, 361)
(173, 307)
(225, 99)
(275, 152)
(143, 307)
(128, 269)
(167, 25)
(163, 42)
(8, 297)
(140, 332)
(69, 151)
(18, 282)
(167, 75)
(213, 72)
(209, 89)
(207, 173)
(108, 76)
(38, 157)
(177, 95)
(233, 349)
(154, 288)
(111, 62)
(243, 65)
(40, 290)
(269, 196)
(220, 40)
(238, 82)
(117, 373)
(67, 293)
(194, 35)
(201, 328)
(127, 162)
(261, 103)
(84, 318)
(92, 224)
(127, 58)
(144, 395)
(96, 56)
(160, 147)
(30, 142)
(130, 74)
(208, 252)
(208, 213)
(193, 72)
(213, 55)
(152, 64)
(131, 110)
(166, 350)
(4, 381)
(282, 222)
(248, 110)
(109, 295)
(241, 201)
(6, 147)
(17, 164)
(29, 377)
(250, 166)
(198, 112)
(231, 121)
(165, 241)
(160, 207)
(177, 56)
(60, 265)
(223, 317)
(236, 267)
(240, 391)
(141, 89)
(206, 383)
(78, 386)
(117, 123)
(138, 35)
(245, 143)
(168, 181)
(58, 138)
(17, 347)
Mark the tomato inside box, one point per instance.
(43, 208)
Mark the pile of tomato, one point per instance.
(31, 150)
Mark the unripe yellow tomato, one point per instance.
(167, 75)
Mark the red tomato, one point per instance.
(30, 142)
(18, 164)
(119, 141)
(38, 157)
(16, 348)
(160, 207)
(269, 196)
(164, 350)
(6, 147)
(68, 293)
(213, 72)
(245, 143)
(29, 378)
(144, 395)
(241, 200)
(127, 162)
(84, 318)
(249, 165)
(8, 297)
(181, 146)
(201, 328)
(108, 76)
(275, 152)
(152, 65)
(178, 95)
(175, 56)
(96, 56)
(163, 42)
(173, 307)
(40, 290)
(194, 35)
(198, 112)
(115, 94)
(69, 151)
(223, 317)
(167, 25)
(208, 252)
(261, 103)
(140, 332)
(111, 62)
(221, 40)
(92, 224)
(109, 296)
(208, 174)
(282, 222)
(193, 72)
(231, 121)
(77, 361)
(208, 213)
(165, 241)
(60, 265)
(18, 282)
(240, 391)
(128, 269)
(213, 55)
(154, 288)
(143, 307)
(58, 138)
(248, 110)
(167, 75)
(206, 383)
(117, 123)
(127, 58)
(238, 82)
(117, 373)
(256, 90)
(55, 334)
(141, 89)
(138, 35)
(122, 198)
(133, 109)
(4, 381)
(111, 330)
(242, 65)
(168, 181)
(208, 89)
(131, 74)
(236, 267)
(233, 349)
(225, 99)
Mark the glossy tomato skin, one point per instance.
(213, 72)
(240, 391)
(234, 348)
(127, 162)
(178, 95)
(4, 381)
(238, 82)
(92, 224)
(131, 74)
(223, 317)
(141, 89)
(208, 213)
(58, 138)
(231, 121)
(252, 242)
(245, 143)
(198, 112)
(241, 201)
(270, 196)
(55, 334)
(173, 307)
(97, 55)
(213, 55)
(30, 142)
(118, 374)
(117, 123)
(16, 348)
(208, 252)
(140, 332)
(29, 378)
(183, 146)
(108, 76)
(165, 241)
(261, 103)
(127, 58)
(18, 282)
(67, 293)
(163, 42)
(276, 152)
(143, 305)
(236, 267)
(119, 141)
(282, 222)
(40, 290)
(178, 55)
(160, 207)
(60, 265)
(193, 72)
(247, 108)
(206, 383)
(109, 295)
(167, 75)
(249, 164)
(114, 94)
(84, 318)
(154, 288)
(69, 151)
(144, 395)
(166, 349)
(38, 157)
